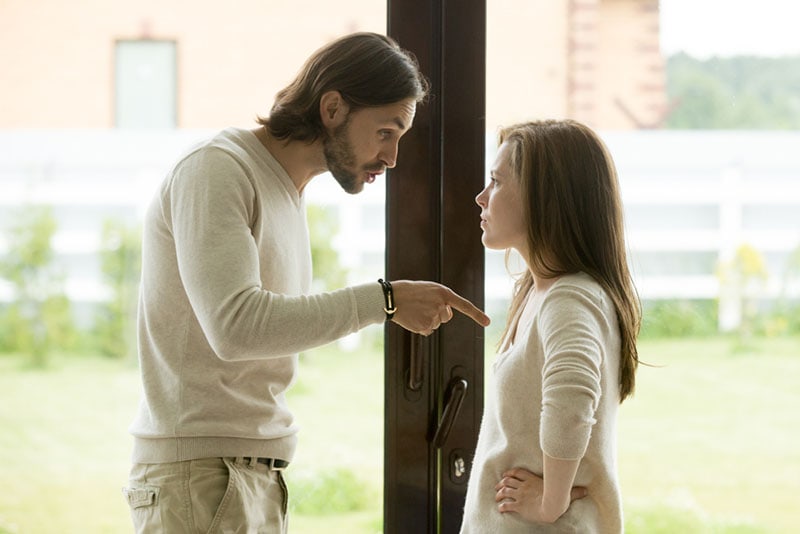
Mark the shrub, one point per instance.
(121, 261)
(326, 493)
(39, 318)
(679, 318)
(322, 229)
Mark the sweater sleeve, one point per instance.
(210, 207)
(571, 322)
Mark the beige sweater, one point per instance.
(555, 392)
(224, 306)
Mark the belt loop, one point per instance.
(239, 460)
(253, 462)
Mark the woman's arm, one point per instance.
(569, 324)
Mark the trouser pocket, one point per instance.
(255, 500)
(143, 504)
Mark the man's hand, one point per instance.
(423, 306)
(521, 492)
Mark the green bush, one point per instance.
(782, 319)
(121, 261)
(322, 229)
(679, 318)
(39, 319)
(328, 492)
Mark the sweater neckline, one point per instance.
(265, 156)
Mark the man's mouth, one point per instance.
(372, 175)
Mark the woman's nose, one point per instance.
(480, 200)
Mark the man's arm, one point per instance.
(423, 306)
(209, 214)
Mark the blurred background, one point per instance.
(698, 101)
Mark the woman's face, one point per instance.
(502, 216)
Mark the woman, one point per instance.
(546, 454)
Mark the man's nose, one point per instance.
(389, 157)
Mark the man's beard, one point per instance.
(340, 159)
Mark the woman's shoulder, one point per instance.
(576, 297)
(576, 289)
(578, 281)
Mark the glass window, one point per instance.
(698, 104)
(640, 217)
(771, 217)
(145, 84)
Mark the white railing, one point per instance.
(689, 196)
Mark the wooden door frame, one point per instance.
(432, 233)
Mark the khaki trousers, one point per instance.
(209, 495)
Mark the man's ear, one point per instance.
(333, 109)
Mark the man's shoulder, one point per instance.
(233, 140)
(228, 145)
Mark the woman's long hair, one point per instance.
(574, 215)
(368, 69)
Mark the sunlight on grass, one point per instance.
(65, 456)
(709, 443)
(716, 429)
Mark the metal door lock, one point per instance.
(459, 467)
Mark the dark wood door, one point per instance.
(434, 385)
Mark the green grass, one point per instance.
(716, 432)
(64, 446)
(710, 443)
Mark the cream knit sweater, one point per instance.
(224, 306)
(555, 392)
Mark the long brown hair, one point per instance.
(368, 69)
(574, 215)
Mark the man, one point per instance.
(224, 305)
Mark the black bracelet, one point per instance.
(388, 297)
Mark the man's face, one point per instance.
(366, 143)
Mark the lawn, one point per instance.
(709, 444)
(715, 433)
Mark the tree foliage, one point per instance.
(120, 262)
(323, 228)
(743, 278)
(39, 318)
(741, 92)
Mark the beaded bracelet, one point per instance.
(388, 297)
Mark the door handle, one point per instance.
(456, 392)
(416, 370)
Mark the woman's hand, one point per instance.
(521, 492)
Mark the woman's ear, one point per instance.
(333, 109)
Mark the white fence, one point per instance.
(691, 199)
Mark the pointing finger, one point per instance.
(446, 314)
(467, 308)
